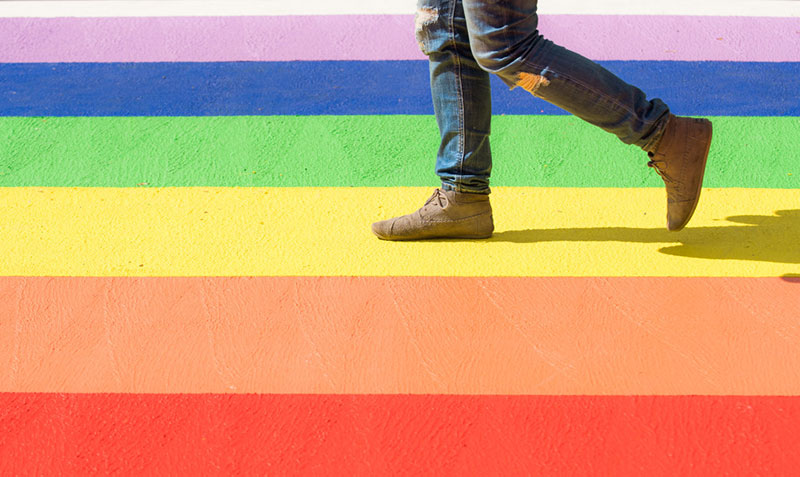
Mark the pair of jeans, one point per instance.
(466, 40)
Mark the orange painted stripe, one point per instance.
(55, 434)
(375, 335)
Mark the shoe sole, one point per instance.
(451, 237)
(702, 176)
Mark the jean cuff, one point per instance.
(654, 138)
(465, 190)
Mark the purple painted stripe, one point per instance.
(381, 37)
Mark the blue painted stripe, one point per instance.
(358, 88)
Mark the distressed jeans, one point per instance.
(465, 40)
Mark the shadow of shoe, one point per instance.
(754, 237)
(791, 278)
(762, 238)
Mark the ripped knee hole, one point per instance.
(425, 16)
(531, 82)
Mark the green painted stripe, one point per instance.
(385, 151)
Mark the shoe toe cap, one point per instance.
(678, 217)
(382, 229)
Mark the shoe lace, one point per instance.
(655, 165)
(438, 197)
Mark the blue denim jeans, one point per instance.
(465, 40)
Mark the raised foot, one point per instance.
(680, 160)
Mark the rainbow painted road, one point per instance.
(189, 284)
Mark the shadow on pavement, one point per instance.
(760, 238)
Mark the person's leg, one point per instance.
(461, 96)
(462, 103)
(505, 41)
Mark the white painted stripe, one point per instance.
(146, 8)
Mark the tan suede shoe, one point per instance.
(446, 214)
(680, 160)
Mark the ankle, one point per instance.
(467, 197)
(654, 141)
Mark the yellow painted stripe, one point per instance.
(326, 232)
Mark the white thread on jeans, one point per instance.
(425, 17)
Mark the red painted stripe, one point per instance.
(393, 434)
(397, 335)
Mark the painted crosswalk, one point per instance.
(189, 284)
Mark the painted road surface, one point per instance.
(189, 284)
